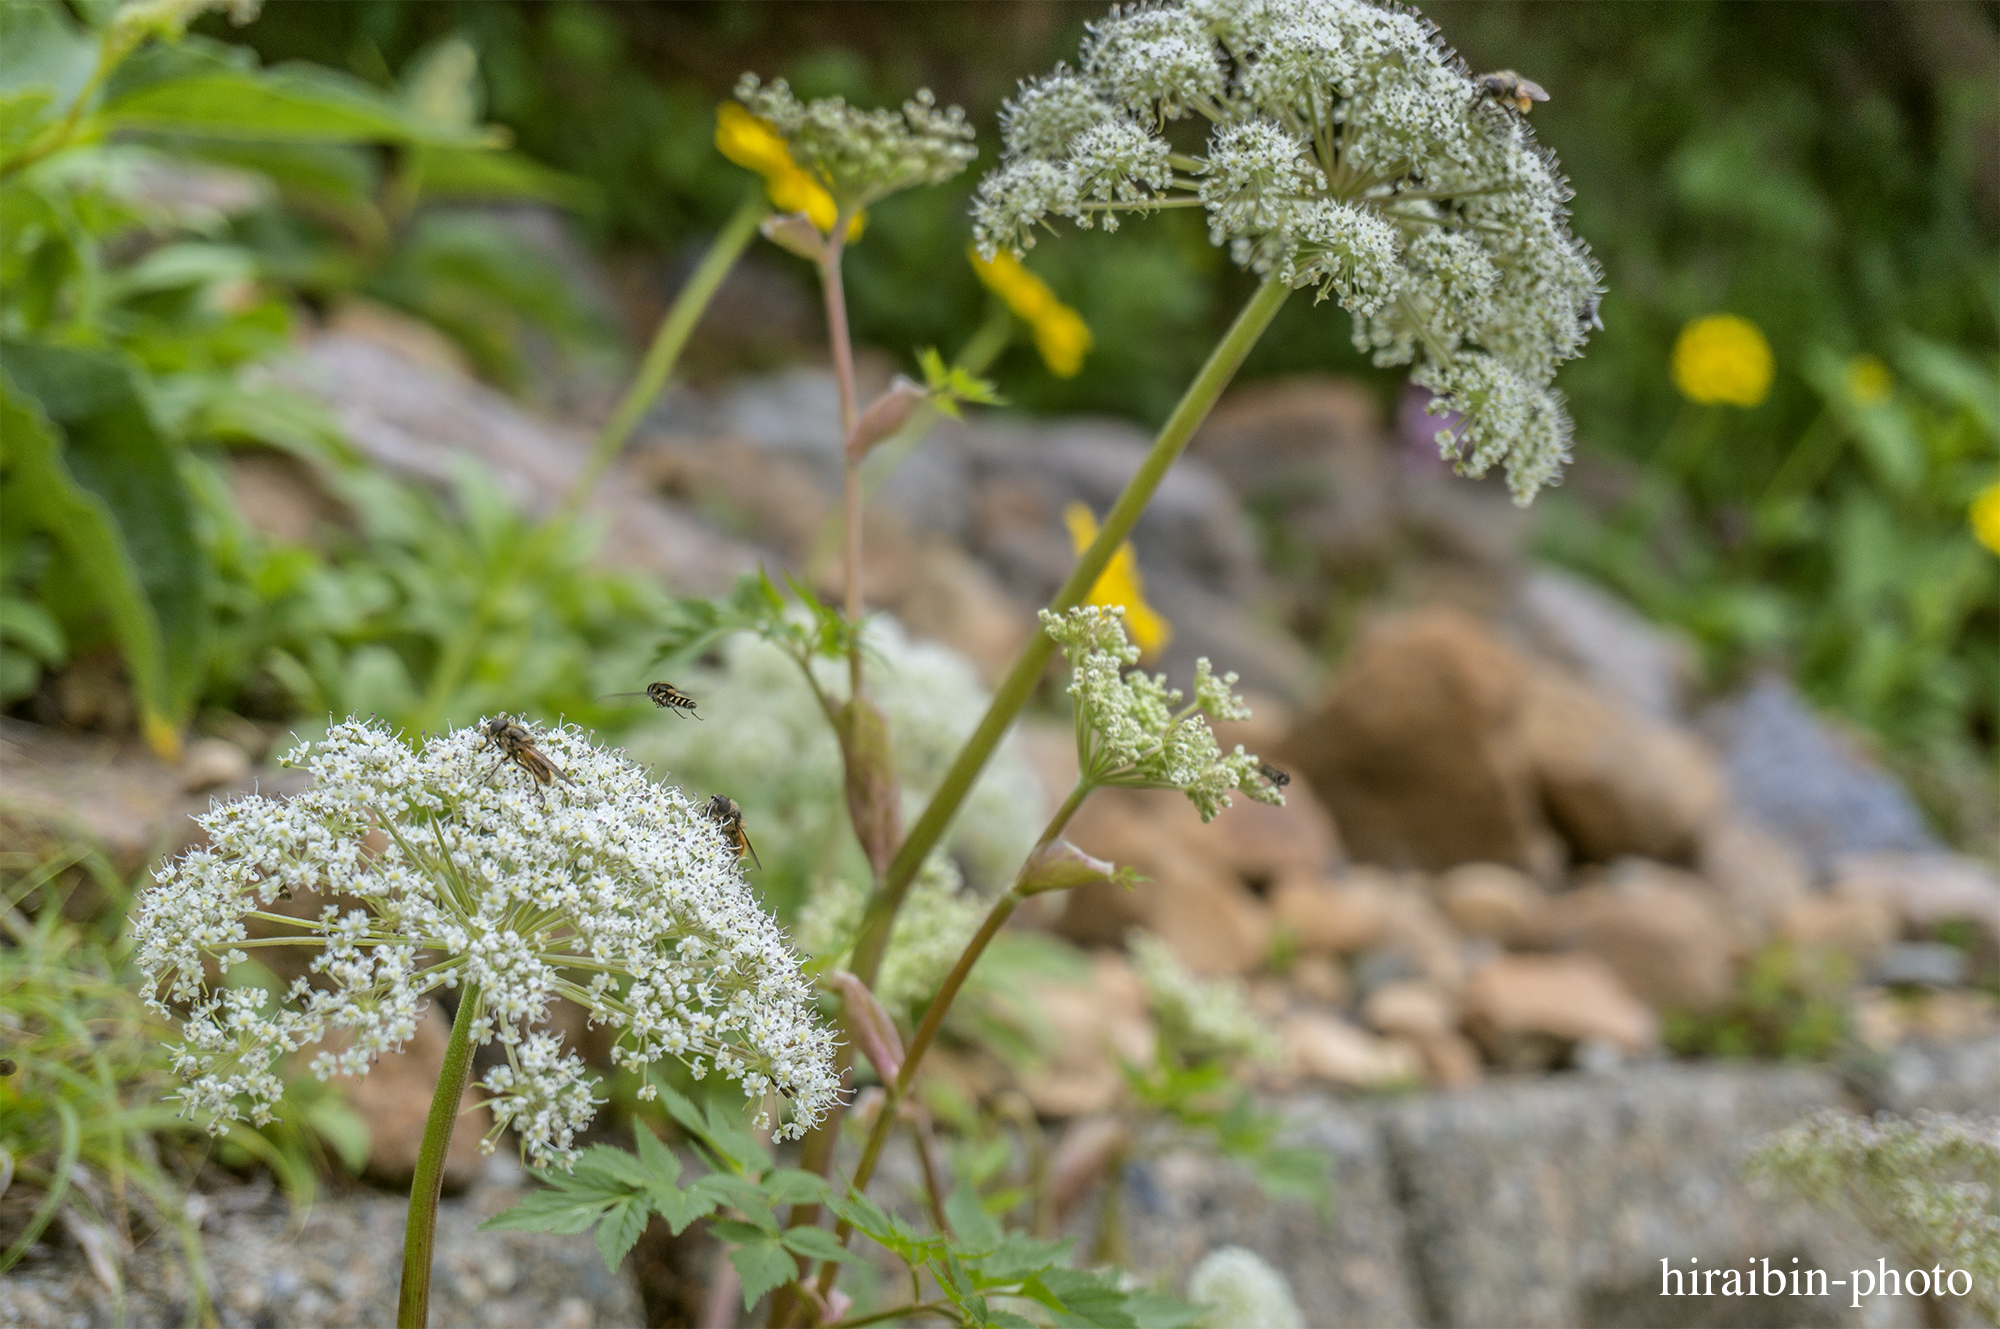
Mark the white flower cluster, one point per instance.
(766, 743)
(1348, 150)
(1240, 1291)
(1929, 1183)
(937, 919)
(450, 868)
(861, 156)
(1131, 729)
(1201, 1018)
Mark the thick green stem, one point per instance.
(413, 1305)
(668, 342)
(1014, 691)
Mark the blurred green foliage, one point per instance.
(1791, 1004)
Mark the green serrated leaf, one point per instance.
(790, 1185)
(556, 1209)
(736, 1230)
(970, 1223)
(662, 1165)
(726, 1189)
(763, 1266)
(613, 1167)
(816, 1243)
(618, 1231)
(1161, 1310)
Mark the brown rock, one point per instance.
(1926, 889)
(1335, 916)
(1565, 997)
(1324, 1047)
(1415, 750)
(1319, 979)
(1412, 1009)
(1092, 1024)
(1616, 781)
(1860, 926)
(1492, 900)
(394, 1098)
(1760, 875)
(1419, 931)
(281, 497)
(1659, 930)
(955, 599)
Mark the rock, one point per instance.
(1615, 781)
(1622, 655)
(1800, 777)
(336, 1265)
(1906, 963)
(1321, 980)
(954, 599)
(1093, 1024)
(1417, 929)
(1327, 1048)
(394, 1099)
(1335, 916)
(281, 498)
(1415, 750)
(426, 424)
(1426, 1017)
(1759, 874)
(113, 793)
(1198, 900)
(1565, 997)
(1926, 890)
(213, 763)
(1658, 930)
(1310, 450)
(1491, 900)
(1860, 927)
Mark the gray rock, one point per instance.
(424, 424)
(1932, 962)
(1611, 645)
(339, 1266)
(1792, 772)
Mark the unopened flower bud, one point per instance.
(1060, 865)
(868, 1024)
(874, 802)
(795, 233)
(884, 416)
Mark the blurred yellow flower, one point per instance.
(1121, 585)
(749, 141)
(1061, 335)
(1985, 517)
(1722, 358)
(1868, 381)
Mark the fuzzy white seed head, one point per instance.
(450, 867)
(1242, 1292)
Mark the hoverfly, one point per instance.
(1506, 86)
(724, 812)
(1278, 777)
(663, 695)
(517, 744)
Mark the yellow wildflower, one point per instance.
(1985, 515)
(1722, 358)
(749, 141)
(1868, 381)
(1061, 335)
(1121, 585)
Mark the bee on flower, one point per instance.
(608, 889)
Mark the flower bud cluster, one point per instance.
(1132, 730)
(1201, 1018)
(1349, 150)
(861, 156)
(450, 868)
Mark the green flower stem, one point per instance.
(668, 342)
(933, 1021)
(413, 1305)
(1014, 691)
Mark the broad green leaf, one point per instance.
(467, 173)
(662, 1165)
(40, 47)
(611, 1166)
(83, 526)
(23, 113)
(28, 623)
(1081, 1299)
(562, 1208)
(740, 1232)
(744, 1194)
(344, 1130)
(619, 1229)
(970, 1223)
(1159, 1310)
(790, 1185)
(763, 1265)
(289, 103)
(1019, 1256)
(816, 1243)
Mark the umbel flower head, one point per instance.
(859, 156)
(1347, 149)
(1132, 731)
(1200, 1018)
(449, 868)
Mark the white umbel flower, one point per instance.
(450, 868)
(1349, 150)
(1201, 1017)
(1242, 1292)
